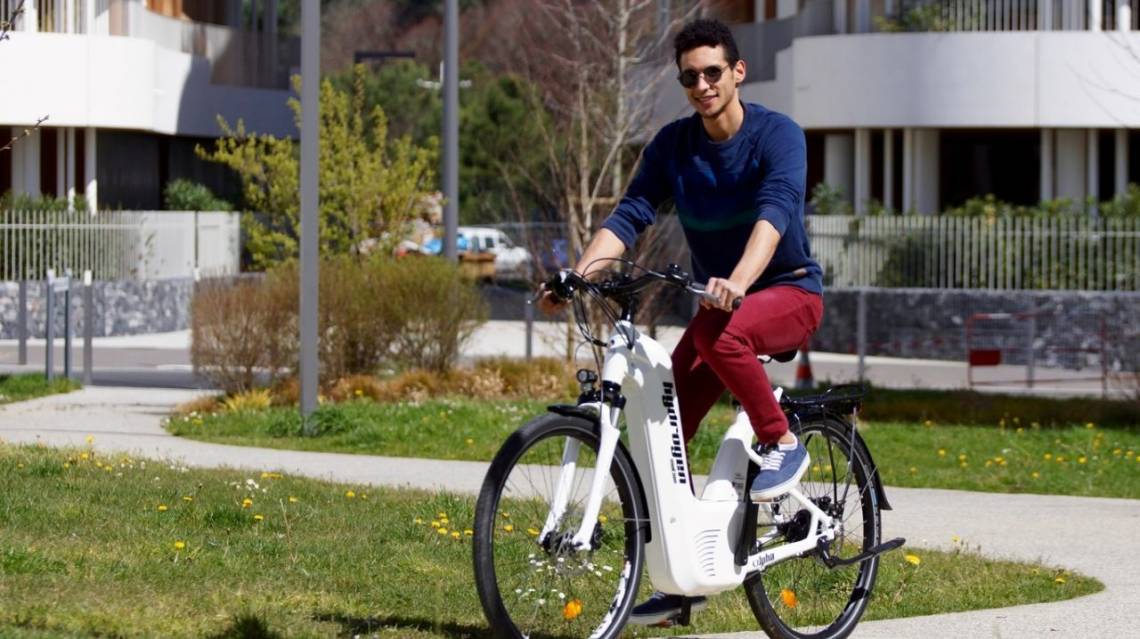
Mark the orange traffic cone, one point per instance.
(804, 379)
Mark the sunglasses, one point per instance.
(689, 77)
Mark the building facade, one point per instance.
(920, 105)
(129, 88)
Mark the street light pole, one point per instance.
(451, 128)
(310, 203)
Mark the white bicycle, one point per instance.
(559, 548)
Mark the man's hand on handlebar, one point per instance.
(724, 291)
(550, 303)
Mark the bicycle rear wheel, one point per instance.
(802, 598)
(534, 585)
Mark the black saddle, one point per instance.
(786, 356)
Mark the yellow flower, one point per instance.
(258, 517)
(1035, 475)
(603, 519)
(470, 442)
(928, 423)
(508, 528)
(442, 531)
(83, 455)
(963, 464)
(293, 500)
(913, 559)
(350, 494)
(434, 524)
(179, 545)
(989, 463)
(358, 393)
(962, 457)
(441, 515)
(572, 609)
(162, 508)
(941, 452)
(1058, 580)
(913, 470)
(533, 532)
(468, 532)
(418, 521)
(1090, 426)
(67, 464)
(1129, 453)
(246, 503)
(188, 498)
(1048, 456)
(455, 534)
(90, 439)
(506, 515)
(789, 598)
(955, 539)
(444, 521)
(1082, 459)
(1117, 451)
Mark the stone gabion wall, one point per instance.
(121, 308)
(931, 323)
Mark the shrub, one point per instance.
(186, 195)
(236, 333)
(374, 313)
(251, 400)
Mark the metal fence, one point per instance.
(1011, 15)
(118, 245)
(1053, 253)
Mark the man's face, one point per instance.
(711, 98)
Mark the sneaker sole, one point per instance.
(662, 617)
(780, 489)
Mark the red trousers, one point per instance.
(719, 350)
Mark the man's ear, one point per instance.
(740, 70)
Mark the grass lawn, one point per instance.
(1010, 456)
(15, 388)
(112, 546)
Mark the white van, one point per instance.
(510, 261)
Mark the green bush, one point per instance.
(23, 202)
(186, 195)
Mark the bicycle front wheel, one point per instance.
(802, 598)
(535, 584)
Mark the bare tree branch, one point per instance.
(6, 25)
(21, 136)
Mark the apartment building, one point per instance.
(129, 87)
(922, 104)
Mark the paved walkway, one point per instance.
(1097, 537)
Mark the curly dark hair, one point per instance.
(704, 32)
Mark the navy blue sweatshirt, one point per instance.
(721, 189)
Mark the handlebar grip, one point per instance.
(737, 302)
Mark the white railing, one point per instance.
(47, 16)
(1057, 253)
(1007, 15)
(117, 245)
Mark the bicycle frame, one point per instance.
(693, 542)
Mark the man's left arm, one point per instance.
(783, 163)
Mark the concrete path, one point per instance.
(1097, 537)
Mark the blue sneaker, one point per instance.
(662, 609)
(784, 465)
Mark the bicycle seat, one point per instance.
(786, 356)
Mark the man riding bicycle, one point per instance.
(736, 174)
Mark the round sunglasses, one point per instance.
(689, 77)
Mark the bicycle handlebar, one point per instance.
(565, 284)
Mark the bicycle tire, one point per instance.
(498, 551)
(807, 612)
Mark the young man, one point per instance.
(736, 175)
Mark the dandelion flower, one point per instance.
(572, 609)
(188, 498)
(162, 508)
(435, 524)
(506, 515)
(350, 494)
(963, 464)
(508, 528)
(444, 521)
(1090, 425)
(928, 423)
(90, 439)
(1035, 475)
(358, 393)
(603, 519)
(83, 456)
(1048, 456)
(955, 539)
(442, 531)
(1059, 580)
(293, 500)
(913, 559)
(468, 532)
(1082, 459)
(441, 515)
(246, 503)
(913, 470)
(941, 452)
(455, 534)
(179, 545)
(470, 442)
(789, 598)
(533, 532)
(962, 457)
(258, 517)
(418, 521)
